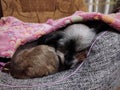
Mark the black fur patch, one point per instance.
(71, 51)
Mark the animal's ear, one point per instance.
(6, 68)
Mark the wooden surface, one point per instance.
(41, 10)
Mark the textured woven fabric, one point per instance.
(100, 71)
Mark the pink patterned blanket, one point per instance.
(14, 32)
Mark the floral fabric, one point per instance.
(14, 32)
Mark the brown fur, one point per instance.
(81, 56)
(34, 62)
(31, 61)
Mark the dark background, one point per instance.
(1, 14)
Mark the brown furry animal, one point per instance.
(34, 62)
(37, 62)
(31, 61)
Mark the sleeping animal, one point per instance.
(67, 43)
(37, 61)
(70, 40)
(34, 62)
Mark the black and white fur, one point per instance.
(77, 37)
(74, 38)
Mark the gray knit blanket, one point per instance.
(100, 71)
